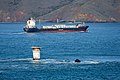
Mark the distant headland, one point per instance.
(68, 10)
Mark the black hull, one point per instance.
(80, 29)
(31, 29)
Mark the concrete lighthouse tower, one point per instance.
(36, 53)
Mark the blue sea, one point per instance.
(98, 50)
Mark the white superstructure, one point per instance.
(31, 23)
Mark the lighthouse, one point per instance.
(36, 53)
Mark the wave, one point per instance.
(90, 62)
(11, 33)
(54, 61)
(50, 61)
(10, 60)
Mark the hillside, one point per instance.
(81, 10)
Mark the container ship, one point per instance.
(58, 27)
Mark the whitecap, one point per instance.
(51, 61)
(90, 62)
(22, 59)
(11, 33)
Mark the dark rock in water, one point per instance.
(77, 60)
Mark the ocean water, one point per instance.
(98, 50)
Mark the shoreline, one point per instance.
(56, 22)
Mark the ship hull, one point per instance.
(31, 29)
(80, 29)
